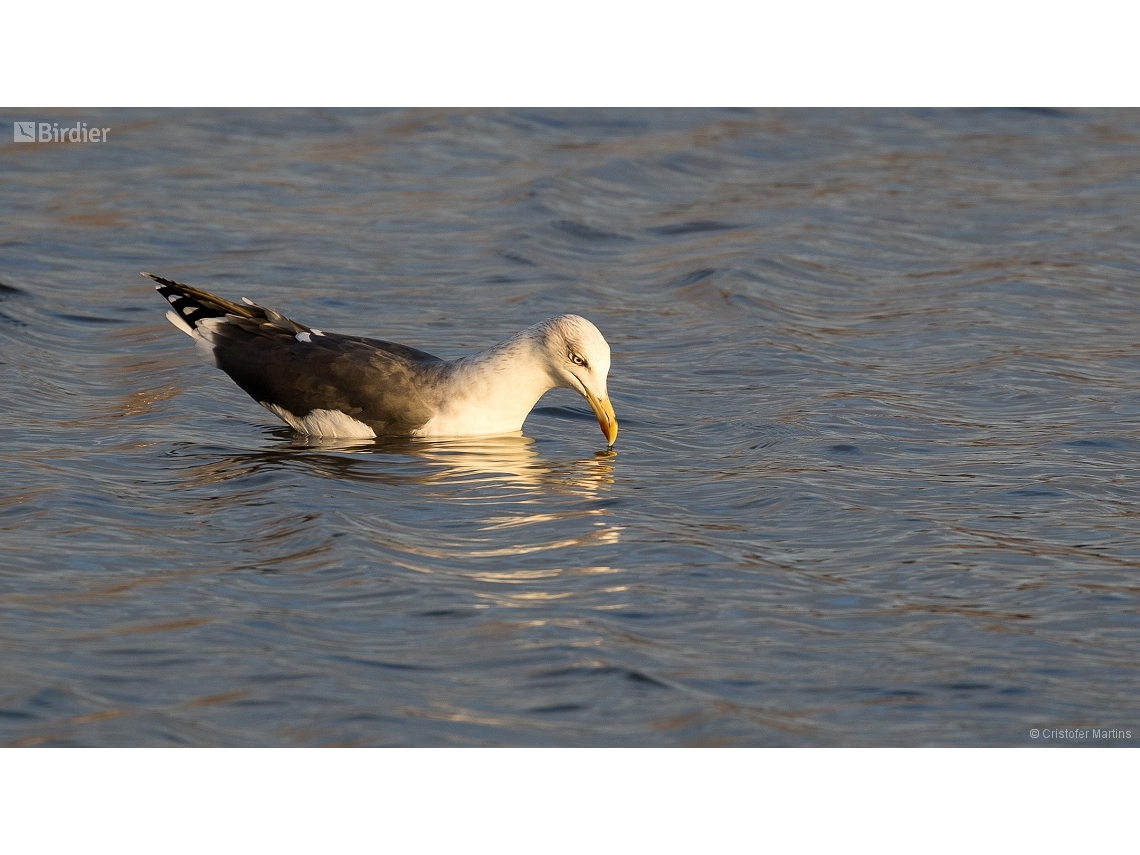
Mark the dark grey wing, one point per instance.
(391, 388)
(401, 350)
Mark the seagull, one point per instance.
(348, 387)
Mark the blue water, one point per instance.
(878, 380)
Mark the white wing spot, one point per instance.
(248, 301)
(303, 336)
(316, 332)
(181, 324)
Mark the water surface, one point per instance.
(878, 377)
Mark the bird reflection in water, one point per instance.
(515, 461)
(510, 461)
(433, 506)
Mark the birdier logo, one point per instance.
(52, 132)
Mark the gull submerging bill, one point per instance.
(328, 385)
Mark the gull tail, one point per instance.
(192, 305)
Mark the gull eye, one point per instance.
(576, 359)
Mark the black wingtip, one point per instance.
(157, 279)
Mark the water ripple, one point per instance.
(877, 378)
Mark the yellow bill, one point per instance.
(604, 410)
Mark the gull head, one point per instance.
(578, 357)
